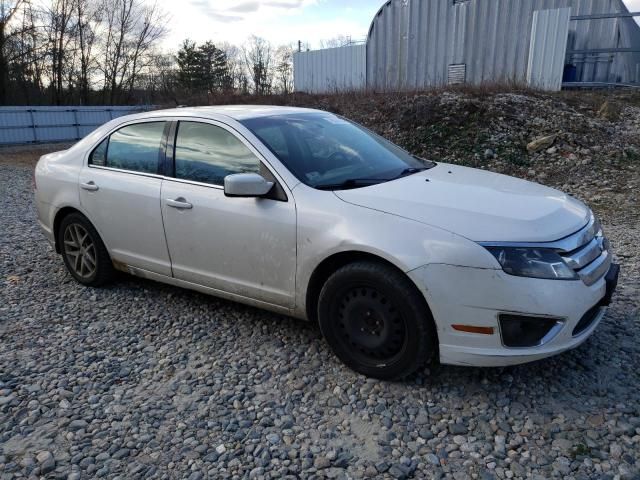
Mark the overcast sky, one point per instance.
(279, 21)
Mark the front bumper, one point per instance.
(472, 296)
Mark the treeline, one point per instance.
(84, 52)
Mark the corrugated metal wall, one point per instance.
(411, 43)
(55, 124)
(547, 49)
(330, 70)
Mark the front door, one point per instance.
(120, 193)
(242, 246)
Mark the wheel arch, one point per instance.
(57, 220)
(333, 263)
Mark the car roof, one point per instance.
(237, 112)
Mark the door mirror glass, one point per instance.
(246, 185)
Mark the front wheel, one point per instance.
(376, 321)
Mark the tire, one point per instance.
(376, 321)
(83, 251)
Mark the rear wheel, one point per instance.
(84, 253)
(376, 321)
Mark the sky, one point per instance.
(279, 21)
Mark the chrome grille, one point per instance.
(590, 258)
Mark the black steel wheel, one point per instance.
(83, 251)
(376, 321)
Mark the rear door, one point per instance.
(242, 246)
(120, 192)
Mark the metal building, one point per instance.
(420, 43)
(413, 44)
(331, 69)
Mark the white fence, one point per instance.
(20, 125)
(331, 69)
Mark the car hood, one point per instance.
(479, 205)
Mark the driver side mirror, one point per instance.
(246, 185)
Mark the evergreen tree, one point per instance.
(213, 67)
(189, 67)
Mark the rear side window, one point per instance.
(206, 153)
(134, 147)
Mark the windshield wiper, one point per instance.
(350, 183)
(430, 163)
(410, 171)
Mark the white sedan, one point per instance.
(399, 259)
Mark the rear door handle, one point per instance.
(179, 203)
(90, 186)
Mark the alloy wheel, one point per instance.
(80, 250)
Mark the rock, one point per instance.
(432, 459)
(563, 444)
(458, 429)
(220, 449)
(615, 450)
(76, 425)
(101, 457)
(321, 462)
(256, 472)
(541, 143)
(46, 461)
(121, 453)
(273, 438)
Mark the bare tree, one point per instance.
(87, 17)
(259, 61)
(284, 68)
(335, 42)
(131, 31)
(8, 10)
(60, 31)
(236, 67)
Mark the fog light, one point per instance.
(519, 331)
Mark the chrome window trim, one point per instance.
(566, 244)
(159, 177)
(131, 172)
(192, 182)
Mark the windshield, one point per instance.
(327, 151)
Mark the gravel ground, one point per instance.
(142, 380)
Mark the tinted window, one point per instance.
(206, 153)
(323, 149)
(135, 147)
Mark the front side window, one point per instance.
(134, 147)
(206, 153)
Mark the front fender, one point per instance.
(339, 227)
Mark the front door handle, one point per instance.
(179, 203)
(90, 186)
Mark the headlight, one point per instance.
(532, 262)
